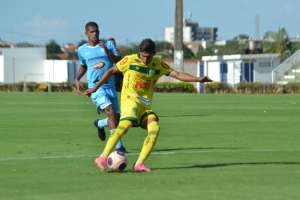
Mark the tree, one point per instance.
(187, 53)
(206, 52)
(53, 49)
(165, 49)
(277, 42)
(295, 46)
(82, 42)
(232, 47)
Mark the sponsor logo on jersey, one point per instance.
(99, 65)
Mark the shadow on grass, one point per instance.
(190, 148)
(197, 148)
(204, 166)
(214, 165)
(183, 115)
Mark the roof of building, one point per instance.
(240, 57)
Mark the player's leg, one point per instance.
(128, 119)
(112, 123)
(100, 124)
(106, 100)
(149, 142)
(111, 93)
(122, 128)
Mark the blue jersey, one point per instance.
(95, 56)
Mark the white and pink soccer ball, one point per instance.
(117, 161)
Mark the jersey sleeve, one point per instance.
(165, 69)
(81, 59)
(123, 64)
(112, 47)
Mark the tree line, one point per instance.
(272, 42)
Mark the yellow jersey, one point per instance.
(139, 79)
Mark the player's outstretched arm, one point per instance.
(104, 78)
(182, 76)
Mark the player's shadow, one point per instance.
(212, 165)
(166, 150)
(184, 115)
(196, 148)
(215, 165)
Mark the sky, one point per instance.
(128, 21)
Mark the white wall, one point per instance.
(56, 71)
(1, 68)
(234, 72)
(263, 69)
(23, 64)
(212, 70)
(263, 66)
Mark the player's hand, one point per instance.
(205, 79)
(89, 91)
(101, 44)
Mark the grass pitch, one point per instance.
(210, 147)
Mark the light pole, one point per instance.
(178, 53)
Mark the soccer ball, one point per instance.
(117, 161)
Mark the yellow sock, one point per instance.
(122, 128)
(149, 142)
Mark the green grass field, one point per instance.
(212, 147)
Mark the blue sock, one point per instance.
(102, 123)
(119, 143)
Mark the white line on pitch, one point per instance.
(136, 153)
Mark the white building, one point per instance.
(192, 32)
(22, 64)
(170, 34)
(29, 64)
(233, 69)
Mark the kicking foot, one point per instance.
(141, 168)
(101, 131)
(101, 162)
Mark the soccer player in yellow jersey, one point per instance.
(141, 72)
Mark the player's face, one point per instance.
(146, 57)
(92, 34)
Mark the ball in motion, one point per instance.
(117, 161)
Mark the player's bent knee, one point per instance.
(125, 124)
(152, 117)
(153, 128)
(123, 127)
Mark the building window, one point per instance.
(265, 64)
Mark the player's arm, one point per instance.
(80, 74)
(104, 78)
(113, 57)
(182, 76)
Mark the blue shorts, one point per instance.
(104, 97)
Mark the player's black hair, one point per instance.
(147, 45)
(91, 24)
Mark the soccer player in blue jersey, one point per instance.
(96, 57)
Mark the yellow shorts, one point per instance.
(135, 112)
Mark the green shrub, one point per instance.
(259, 88)
(174, 87)
(213, 88)
(218, 88)
(291, 88)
